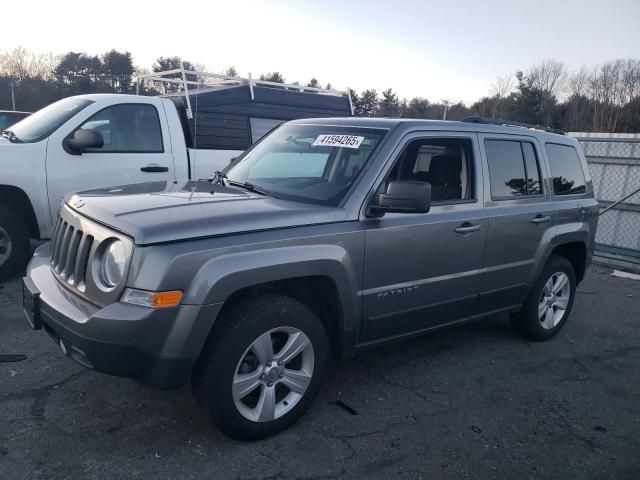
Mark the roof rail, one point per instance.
(510, 123)
(206, 79)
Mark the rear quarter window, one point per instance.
(566, 169)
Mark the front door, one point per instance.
(423, 270)
(136, 150)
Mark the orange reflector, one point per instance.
(165, 299)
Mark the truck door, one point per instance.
(136, 149)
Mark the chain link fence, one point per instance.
(614, 163)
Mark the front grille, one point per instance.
(70, 251)
(77, 245)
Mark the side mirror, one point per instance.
(403, 196)
(83, 140)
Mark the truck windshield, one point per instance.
(307, 163)
(46, 121)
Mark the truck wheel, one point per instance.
(549, 304)
(263, 367)
(14, 243)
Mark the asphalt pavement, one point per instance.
(472, 402)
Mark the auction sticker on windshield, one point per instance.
(346, 141)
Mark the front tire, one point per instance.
(14, 243)
(263, 366)
(549, 303)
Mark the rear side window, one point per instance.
(513, 169)
(566, 169)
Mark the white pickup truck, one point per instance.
(101, 140)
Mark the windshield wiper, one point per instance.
(10, 135)
(250, 186)
(218, 178)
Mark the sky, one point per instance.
(438, 50)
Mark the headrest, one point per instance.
(445, 169)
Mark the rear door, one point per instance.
(423, 269)
(136, 149)
(520, 212)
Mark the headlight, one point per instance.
(113, 263)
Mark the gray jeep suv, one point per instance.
(327, 237)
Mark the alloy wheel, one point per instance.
(554, 300)
(273, 374)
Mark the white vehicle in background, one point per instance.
(9, 117)
(91, 141)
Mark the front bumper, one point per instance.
(157, 347)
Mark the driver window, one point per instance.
(127, 128)
(446, 163)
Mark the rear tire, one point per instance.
(14, 243)
(549, 304)
(271, 342)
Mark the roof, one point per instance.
(391, 123)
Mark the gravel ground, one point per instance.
(472, 402)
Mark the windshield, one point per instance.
(307, 163)
(46, 121)
(9, 118)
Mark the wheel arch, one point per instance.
(574, 247)
(576, 253)
(318, 292)
(18, 201)
(320, 276)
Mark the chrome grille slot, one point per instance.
(72, 256)
(64, 251)
(82, 260)
(58, 251)
(54, 237)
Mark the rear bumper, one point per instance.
(157, 347)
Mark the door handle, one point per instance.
(541, 218)
(467, 227)
(582, 212)
(154, 169)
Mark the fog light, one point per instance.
(145, 298)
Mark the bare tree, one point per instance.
(502, 86)
(606, 90)
(578, 82)
(578, 103)
(20, 64)
(500, 90)
(630, 78)
(549, 76)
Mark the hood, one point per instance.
(159, 212)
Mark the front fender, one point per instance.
(221, 277)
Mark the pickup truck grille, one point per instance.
(77, 246)
(70, 250)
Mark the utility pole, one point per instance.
(446, 104)
(13, 97)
